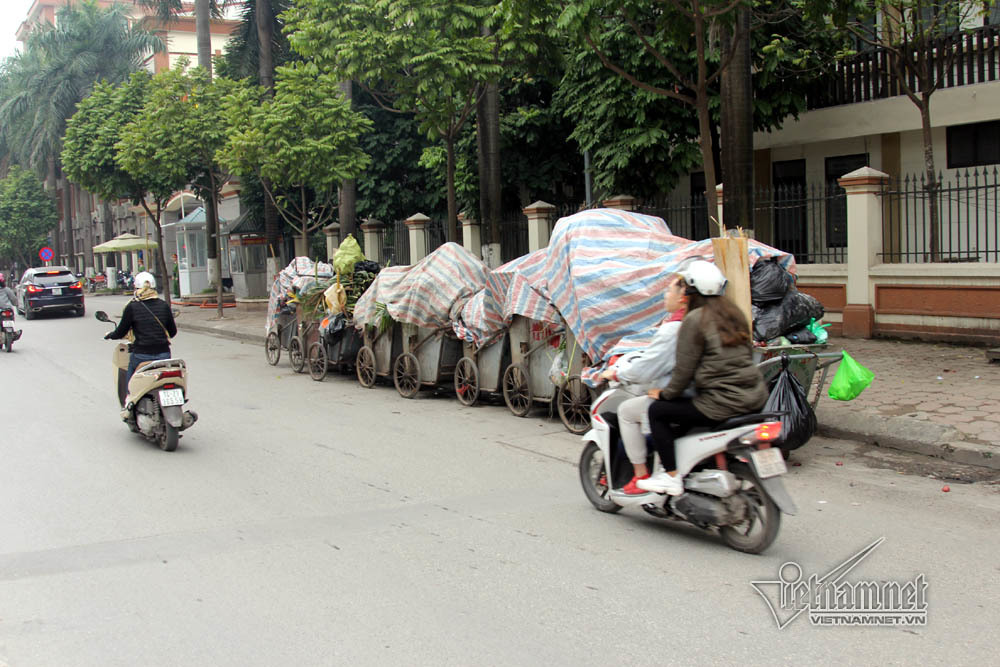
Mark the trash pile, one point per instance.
(782, 315)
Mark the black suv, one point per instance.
(49, 288)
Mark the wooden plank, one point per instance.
(731, 256)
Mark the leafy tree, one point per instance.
(27, 214)
(43, 84)
(920, 37)
(427, 57)
(300, 144)
(90, 154)
(176, 136)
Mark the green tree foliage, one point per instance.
(27, 214)
(241, 58)
(427, 57)
(303, 142)
(90, 153)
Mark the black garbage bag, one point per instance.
(788, 396)
(798, 309)
(768, 321)
(801, 336)
(368, 266)
(769, 281)
(793, 312)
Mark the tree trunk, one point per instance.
(482, 149)
(51, 184)
(705, 127)
(494, 176)
(452, 205)
(212, 236)
(931, 186)
(161, 262)
(265, 70)
(109, 232)
(737, 128)
(348, 212)
(203, 28)
(67, 206)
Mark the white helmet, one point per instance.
(704, 277)
(142, 279)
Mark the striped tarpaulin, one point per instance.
(606, 272)
(429, 293)
(510, 290)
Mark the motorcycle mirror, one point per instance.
(102, 316)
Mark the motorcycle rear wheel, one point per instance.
(594, 479)
(168, 438)
(8, 340)
(764, 516)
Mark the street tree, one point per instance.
(923, 42)
(428, 58)
(58, 67)
(177, 134)
(301, 144)
(27, 215)
(90, 155)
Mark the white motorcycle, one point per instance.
(732, 475)
(153, 402)
(10, 334)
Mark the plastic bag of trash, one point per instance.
(798, 308)
(801, 336)
(818, 330)
(768, 322)
(769, 281)
(559, 369)
(787, 395)
(347, 255)
(850, 380)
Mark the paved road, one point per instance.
(323, 524)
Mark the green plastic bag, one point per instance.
(818, 330)
(850, 380)
(347, 255)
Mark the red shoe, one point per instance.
(632, 490)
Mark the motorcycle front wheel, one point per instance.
(759, 527)
(594, 478)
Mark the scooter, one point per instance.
(732, 475)
(9, 333)
(153, 402)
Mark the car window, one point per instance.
(52, 278)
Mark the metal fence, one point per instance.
(967, 228)
(513, 236)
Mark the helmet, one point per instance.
(704, 277)
(141, 280)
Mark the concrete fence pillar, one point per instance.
(332, 232)
(371, 230)
(417, 226)
(472, 239)
(539, 217)
(621, 202)
(864, 243)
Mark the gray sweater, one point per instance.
(727, 382)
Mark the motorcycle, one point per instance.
(153, 402)
(125, 280)
(732, 475)
(9, 333)
(96, 282)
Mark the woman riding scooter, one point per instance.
(714, 350)
(151, 322)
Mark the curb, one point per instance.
(221, 332)
(909, 435)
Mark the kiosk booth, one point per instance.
(248, 258)
(192, 252)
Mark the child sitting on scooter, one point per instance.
(714, 350)
(649, 368)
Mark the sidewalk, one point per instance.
(934, 399)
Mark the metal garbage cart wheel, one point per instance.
(365, 367)
(466, 381)
(406, 375)
(317, 361)
(517, 390)
(573, 405)
(296, 356)
(272, 348)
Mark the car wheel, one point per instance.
(28, 315)
(81, 311)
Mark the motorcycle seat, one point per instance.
(753, 418)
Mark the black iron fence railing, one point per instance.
(958, 222)
(961, 59)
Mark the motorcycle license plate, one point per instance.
(8, 324)
(769, 462)
(56, 291)
(170, 397)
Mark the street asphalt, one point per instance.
(304, 523)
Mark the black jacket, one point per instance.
(150, 337)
